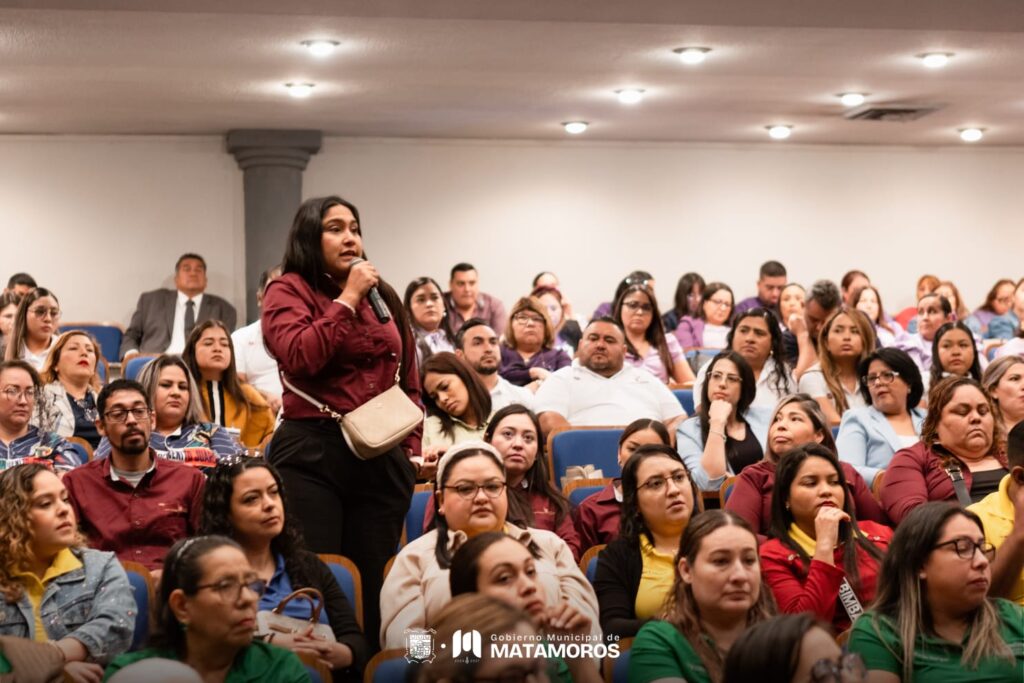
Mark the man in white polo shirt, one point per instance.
(600, 390)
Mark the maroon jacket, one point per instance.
(915, 475)
(597, 518)
(751, 496)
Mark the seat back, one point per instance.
(726, 490)
(617, 670)
(876, 485)
(317, 670)
(134, 366)
(83, 450)
(346, 573)
(579, 490)
(685, 398)
(588, 563)
(417, 511)
(387, 666)
(108, 334)
(597, 446)
(145, 595)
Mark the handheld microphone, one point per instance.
(380, 309)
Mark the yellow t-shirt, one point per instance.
(64, 562)
(996, 512)
(655, 580)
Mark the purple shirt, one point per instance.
(753, 302)
(517, 371)
(652, 361)
(488, 308)
(690, 332)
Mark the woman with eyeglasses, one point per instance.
(636, 570)
(54, 589)
(20, 440)
(709, 326)
(726, 434)
(637, 277)
(717, 594)
(869, 436)
(71, 381)
(424, 306)
(791, 648)
(647, 345)
(846, 338)
(932, 621)
(686, 302)
(35, 328)
(244, 500)
(528, 353)
(206, 617)
(1006, 326)
(470, 498)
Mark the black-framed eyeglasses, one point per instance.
(657, 484)
(230, 590)
(848, 669)
(636, 306)
(121, 414)
(525, 319)
(884, 378)
(468, 490)
(965, 548)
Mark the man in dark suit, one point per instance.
(164, 318)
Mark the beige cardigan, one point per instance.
(417, 588)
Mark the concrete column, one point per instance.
(272, 162)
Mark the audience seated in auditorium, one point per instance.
(800, 340)
(21, 441)
(687, 300)
(998, 301)
(245, 500)
(227, 401)
(846, 339)
(164, 318)
(709, 326)
(464, 300)
(528, 351)
(869, 436)
(820, 557)
(601, 389)
(431, 325)
(636, 571)
(8, 310)
(477, 344)
(727, 434)
(868, 301)
(470, 497)
(499, 567)
(956, 302)
(20, 284)
(933, 311)
(954, 352)
(647, 346)
(853, 281)
(1003, 515)
(932, 619)
(756, 336)
(790, 648)
(791, 303)
(180, 430)
(71, 381)
(132, 502)
(637, 277)
(1004, 382)
(253, 363)
(771, 278)
(458, 404)
(567, 330)
(797, 421)
(206, 614)
(1006, 326)
(717, 594)
(35, 328)
(960, 456)
(55, 590)
(599, 515)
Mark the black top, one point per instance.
(743, 453)
(85, 414)
(984, 483)
(617, 581)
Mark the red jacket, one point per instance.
(915, 476)
(597, 518)
(816, 590)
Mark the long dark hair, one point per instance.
(410, 289)
(441, 552)
(19, 330)
(769, 652)
(812, 410)
(778, 377)
(447, 363)
(464, 573)
(748, 390)
(637, 277)
(655, 332)
(229, 379)
(536, 478)
(633, 523)
(216, 518)
(900, 362)
(682, 297)
(645, 423)
(709, 291)
(937, 370)
(850, 535)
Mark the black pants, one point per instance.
(343, 504)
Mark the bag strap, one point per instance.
(322, 407)
(850, 601)
(959, 486)
(315, 598)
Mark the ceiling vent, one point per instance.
(898, 113)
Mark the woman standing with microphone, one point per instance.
(334, 350)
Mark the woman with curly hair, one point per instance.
(245, 500)
(55, 590)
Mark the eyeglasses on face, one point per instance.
(43, 311)
(13, 394)
(638, 306)
(884, 378)
(718, 376)
(121, 414)
(720, 303)
(527, 319)
(965, 548)
(657, 484)
(230, 590)
(848, 669)
(468, 490)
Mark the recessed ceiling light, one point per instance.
(630, 95)
(575, 127)
(852, 99)
(320, 48)
(935, 60)
(779, 132)
(692, 55)
(971, 134)
(299, 90)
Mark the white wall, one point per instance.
(100, 220)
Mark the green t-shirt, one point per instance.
(661, 651)
(258, 662)
(937, 660)
(5, 666)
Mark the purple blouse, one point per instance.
(652, 361)
(517, 371)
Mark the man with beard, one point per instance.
(601, 389)
(477, 344)
(132, 502)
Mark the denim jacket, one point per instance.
(94, 605)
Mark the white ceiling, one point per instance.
(489, 69)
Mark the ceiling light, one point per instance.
(935, 60)
(299, 90)
(575, 127)
(320, 48)
(779, 132)
(852, 99)
(971, 134)
(692, 55)
(630, 95)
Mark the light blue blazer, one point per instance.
(867, 441)
(691, 449)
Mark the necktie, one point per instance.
(190, 317)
